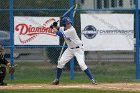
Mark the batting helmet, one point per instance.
(66, 20)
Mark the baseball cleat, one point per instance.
(3, 84)
(55, 82)
(93, 82)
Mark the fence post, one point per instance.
(72, 60)
(11, 36)
(137, 39)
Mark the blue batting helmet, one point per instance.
(66, 20)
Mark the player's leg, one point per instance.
(79, 53)
(2, 76)
(66, 56)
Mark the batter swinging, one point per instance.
(75, 48)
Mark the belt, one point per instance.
(76, 47)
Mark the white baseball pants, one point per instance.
(70, 53)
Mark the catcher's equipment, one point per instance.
(12, 69)
(1, 55)
(2, 74)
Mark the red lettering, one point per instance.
(23, 30)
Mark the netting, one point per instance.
(36, 64)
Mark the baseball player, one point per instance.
(3, 64)
(75, 48)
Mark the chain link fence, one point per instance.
(36, 64)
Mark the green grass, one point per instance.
(63, 91)
(42, 73)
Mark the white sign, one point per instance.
(34, 31)
(100, 32)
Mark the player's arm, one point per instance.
(56, 30)
(10, 67)
(7, 63)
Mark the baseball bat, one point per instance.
(75, 10)
(71, 8)
(64, 41)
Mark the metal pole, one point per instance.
(11, 36)
(72, 60)
(137, 39)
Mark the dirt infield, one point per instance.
(101, 86)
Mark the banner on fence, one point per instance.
(100, 32)
(34, 31)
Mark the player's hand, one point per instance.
(8, 64)
(55, 29)
(11, 69)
